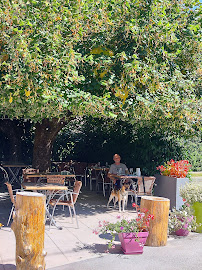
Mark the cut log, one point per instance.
(29, 228)
(159, 207)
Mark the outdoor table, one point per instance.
(49, 189)
(124, 177)
(13, 172)
(44, 175)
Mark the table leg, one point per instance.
(49, 196)
(14, 174)
(52, 219)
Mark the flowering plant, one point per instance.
(177, 169)
(125, 225)
(182, 219)
(191, 192)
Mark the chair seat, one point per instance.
(131, 192)
(146, 193)
(61, 202)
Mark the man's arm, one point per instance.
(111, 174)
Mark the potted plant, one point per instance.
(192, 194)
(182, 221)
(173, 175)
(132, 233)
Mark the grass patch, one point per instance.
(196, 174)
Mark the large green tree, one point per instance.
(131, 59)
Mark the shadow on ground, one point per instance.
(7, 266)
(99, 249)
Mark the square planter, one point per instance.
(168, 187)
(133, 243)
(197, 206)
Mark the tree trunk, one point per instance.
(159, 207)
(45, 135)
(29, 228)
(12, 131)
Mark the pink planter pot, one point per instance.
(133, 243)
(182, 232)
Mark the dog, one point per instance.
(119, 195)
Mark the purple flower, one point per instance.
(121, 228)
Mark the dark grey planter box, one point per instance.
(168, 187)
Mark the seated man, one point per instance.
(118, 169)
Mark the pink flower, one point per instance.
(118, 216)
(142, 215)
(187, 204)
(107, 251)
(95, 232)
(113, 247)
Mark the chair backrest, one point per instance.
(29, 171)
(80, 168)
(63, 166)
(5, 174)
(56, 179)
(105, 177)
(77, 188)
(10, 191)
(146, 188)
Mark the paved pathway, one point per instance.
(73, 248)
(70, 244)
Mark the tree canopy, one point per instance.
(137, 60)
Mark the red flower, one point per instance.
(184, 200)
(175, 169)
(134, 205)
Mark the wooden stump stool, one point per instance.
(29, 228)
(159, 207)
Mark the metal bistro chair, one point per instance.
(105, 181)
(133, 192)
(5, 177)
(92, 174)
(12, 197)
(144, 186)
(26, 172)
(71, 198)
(55, 179)
(80, 171)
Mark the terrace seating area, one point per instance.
(60, 185)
